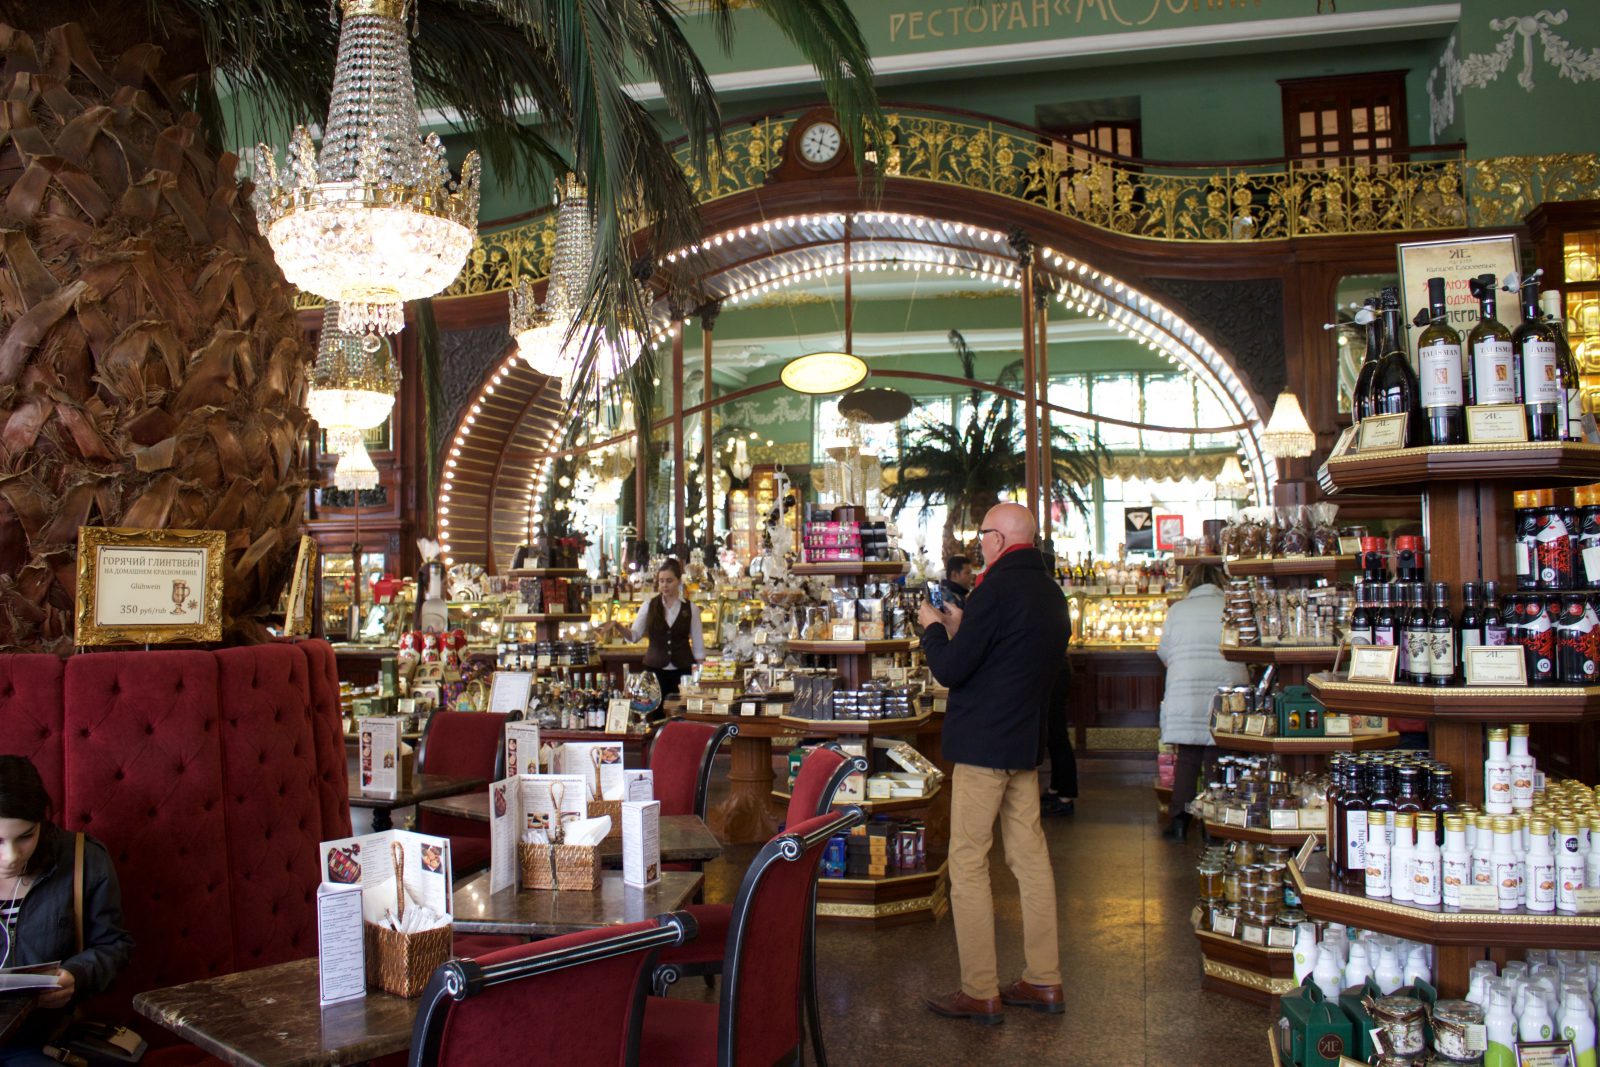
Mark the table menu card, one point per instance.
(528, 802)
(600, 763)
(641, 842)
(375, 862)
(380, 755)
(341, 944)
(522, 748)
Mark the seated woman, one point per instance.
(37, 923)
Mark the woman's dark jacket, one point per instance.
(45, 928)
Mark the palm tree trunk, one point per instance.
(152, 373)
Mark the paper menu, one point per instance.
(641, 842)
(526, 802)
(522, 748)
(595, 760)
(341, 944)
(379, 755)
(509, 691)
(638, 785)
(369, 861)
(538, 794)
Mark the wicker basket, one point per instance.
(560, 867)
(402, 963)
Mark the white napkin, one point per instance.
(418, 918)
(587, 831)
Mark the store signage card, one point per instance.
(1335, 725)
(843, 630)
(641, 842)
(1349, 546)
(1283, 820)
(297, 620)
(617, 711)
(1457, 260)
(379, 753)
(1255, 725)
(600, 764)
(1479, 898)
(374, 862)
(509, 691)
(1588, 900)
(522, 748)
(341, 944)
(1380, 433)
(1496, 424)
(1347, 437)
(1495, 665)
(1374, 663)
(149, 586)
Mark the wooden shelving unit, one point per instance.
(874, 807)
(1304, 746)
(1411, 470)
(1255, 973)
(1461, 704)
(1261, 835)
(1283, 655)
(857, 569)
(1291, 566)
(548, 572)
(854, 727)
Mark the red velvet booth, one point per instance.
(209, 776)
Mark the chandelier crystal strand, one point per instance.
(541, 330)
(354, 380)
(374, 219)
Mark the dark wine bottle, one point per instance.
(1439, 372)
(1361, 618)
(1550, 305)
(1539, 364)
(1419, 643)
(1442, 638)
(1369, 319)
(1469, 633)
(1384, 630)
(1493, 378)
(1395, 390)
(1494, 619)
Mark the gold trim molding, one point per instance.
(1249, 979)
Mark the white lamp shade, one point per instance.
(1231, 483)
(1288, 435)
(355, 470)
(819, 373)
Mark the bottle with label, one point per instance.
(1469, 630)
(1371, 322)
(1550, 307)
(1523, 769)
(1541, 867)
(1358, 967)
(1500, 1027)
(1419, 642)
(1455, 862)
(1494, 626)
(1333, 799)
(1439, 371)
(1497, 774)
(1507, 865)
(1408, 795)
(1353, 804)
(1544, 399)
(1569, 864)
(1591, 858)
(1395, 390)
(1385, 628)
(1577, 642)
(1387, 971)
(1483, 851)
(1443, 663)
(1361, 617)
(1402, 878)
(1380, 798)
(1535, 1023)
(1577, 1026)
(1427, 862)
(1377, 850)
(1492, 378)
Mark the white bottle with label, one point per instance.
(1523, 768)
(1577, 1026)
(1477, 983)
(1483, 850)
(1455, 863)
(1326, 971)
(1336, 939)
(1505, 862)
(1388, 973)
(1359, 966)
(1426, 864)
(1402, 879)
(1377, 854)
(1307, 955)
(1591, 860)
(1417, 966)
(1541, 868)
(1569, 865)
(1535, 1024)
(1500, 1027)
(1497, 774)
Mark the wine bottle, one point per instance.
(1395, 390)
(1439, 366)
(1369, 319)
(1469, 632)
(1493, 379)
(1361, 618)
(1419, 646)
(1442, 638)
(1539, 365)
(1384, 630)
(1550, 305)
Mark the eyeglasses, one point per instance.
(990, 530)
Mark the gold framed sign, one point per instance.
(1458, 260)
(1496, 424)
(297, 617)
(1379, 433)
(149, 586)
(1374, 663)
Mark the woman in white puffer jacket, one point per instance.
(1195, 668)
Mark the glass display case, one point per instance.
(338, 588)
(1118, 620)
(748, 509)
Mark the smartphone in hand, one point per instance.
(936, 595)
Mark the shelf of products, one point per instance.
(1198, 561)
(1236, 968)
(547, 572)
(1283, 655)
(896, 806)
(1118, 620)
(557, 616)
(1291, 566)
(1261, 835)
(749, 508)
(1461, 704)
(854, 727)
(862, 569)
(887, 901)
(850, 648)
(1408, 470)
(1303, 746)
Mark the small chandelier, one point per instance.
(1288, 435)
(739, 466)
(541, 330)
(1230, 483)
(353, 382)
(355, 470)
(375, 219)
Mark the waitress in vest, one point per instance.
(672, 625)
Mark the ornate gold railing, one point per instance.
(1193, 203)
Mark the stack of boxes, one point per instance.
(828, 541)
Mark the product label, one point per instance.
(1491, 373)
(1482, 872)
(1522, 783)
(1497, 789)
(1507, 884)
(1425, 872)
(1377, 874)
(1541, 885)
(1440, 375)
(1419, 652)
(1442, 653)
(1355, 840)
(1541, 374)
(1569, 879)
(1454, 873)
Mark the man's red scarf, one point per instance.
(1007, 551)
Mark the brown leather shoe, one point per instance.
(958, 1005)
(1020, 994)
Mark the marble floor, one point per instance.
(1130, 962)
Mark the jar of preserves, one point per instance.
(1211, 880)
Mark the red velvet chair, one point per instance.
(680, 753)
(462, 744)
(522, 1005)
(766, 974)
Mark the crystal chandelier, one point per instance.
(355, 469)
(354, 380)
(375, 219)
(541, 330)
(1288, 435)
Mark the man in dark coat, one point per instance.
(999, 659)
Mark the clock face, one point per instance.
(820, 143)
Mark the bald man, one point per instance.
(999, 659)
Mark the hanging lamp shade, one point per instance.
(1288, 435)
(354, 380)
(355, 469)
(1230, 482)
(374, 219)
(820, 373)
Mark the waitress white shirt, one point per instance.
(696, 637)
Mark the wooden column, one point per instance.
(677, 434)
(708, 321)
(1041, 305)
(1030, 422)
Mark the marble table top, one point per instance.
(270, 1017)
(421, 787)
(545, 912)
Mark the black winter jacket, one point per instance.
(1001, 664)
(44, 922)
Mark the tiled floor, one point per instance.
(1130, 962)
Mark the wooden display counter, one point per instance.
(1114, 690)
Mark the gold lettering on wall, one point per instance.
(1013, 16)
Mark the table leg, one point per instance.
(382, 819)
(745, 817)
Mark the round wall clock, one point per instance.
(819, 144)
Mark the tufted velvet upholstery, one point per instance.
(205, 774)
(465, 744)
(30, 713)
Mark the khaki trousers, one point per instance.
(978, 796)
